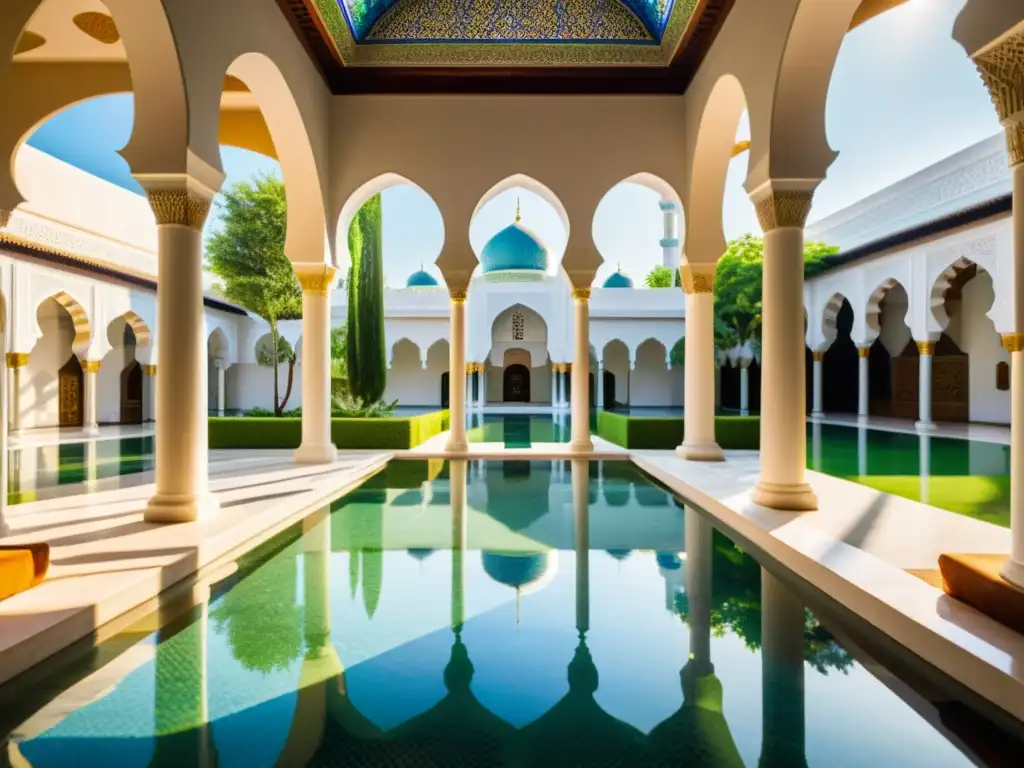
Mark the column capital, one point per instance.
(1002, 70)
(779, 208)
(581, 294)
(667, 205)
(863, 351)
(91, 366)
(1013, 342)
(458, 297)
(17, 359)
(926, 347)
(315, 278)
(177, 199)
(698, 278)
(149, 370)
(818, 356)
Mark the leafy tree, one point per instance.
(265, 355)
(663, 277)
(366, 354)
(247, 254)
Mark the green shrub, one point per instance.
(379, 433)
(664, 433)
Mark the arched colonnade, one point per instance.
(330, 148)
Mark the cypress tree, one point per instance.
(366, 346)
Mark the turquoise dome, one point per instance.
(514, 570)
(421, 279)
(618, 280)
(514, 249)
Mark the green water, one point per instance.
(517, 430)
(39, 472)
(498, 613)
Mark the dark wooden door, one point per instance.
(131, 394)
(516, 387)
(69, 383)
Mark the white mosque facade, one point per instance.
(916, 305)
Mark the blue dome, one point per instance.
(514, 570)
(514, 249)
(669, 561)
(618, 280)
(421, 279)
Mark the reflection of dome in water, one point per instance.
(420, 554)
(514, 253)
(669, 561)
(620, 554)
(525, 573)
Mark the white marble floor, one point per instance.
(106, 560)
(856, 549)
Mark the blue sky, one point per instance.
(903, 96)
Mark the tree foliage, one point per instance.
(662, 277)
(366, 355)
(246, 253)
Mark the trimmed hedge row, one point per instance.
(638, 432)
(269, 432)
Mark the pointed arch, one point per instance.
(79, 318)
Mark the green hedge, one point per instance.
(638, 432)
(285, 432)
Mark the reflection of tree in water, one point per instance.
(736, 608)
(261, 614)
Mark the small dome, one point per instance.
(515, 570)
(421, 279)
(514, 253)
(619, 554)
(618, 279)
(668, 561)
(420, 554)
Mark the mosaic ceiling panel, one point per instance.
(598, 21)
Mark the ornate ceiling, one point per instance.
(467, 45)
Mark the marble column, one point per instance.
(863, 384)
(816, 446)
(744, 388)
(699, 443)
(782, 676)
(862, 450)
(817, 409)
(926, 354)
(219, 365)
(924, 451)
(182, 480)
(89, 370)
(599, 385)
(149, 393)
(483, 386)
(555, 386)
(580, 419)
(783, 484)
(15, 361)
(316, 280)
(1002, 69)
(457, 379)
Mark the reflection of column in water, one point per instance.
(816, 463)
(92, 463)
(862, 451)
(925, 467)
(581, 541)
(457, 475)
(782, 672)
(698, 533)
(320, 663)
(181, 719)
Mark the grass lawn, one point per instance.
(983, 497)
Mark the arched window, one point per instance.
(1002, 376)
(518, 326)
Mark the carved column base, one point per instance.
(315, 453)
(700, 452)
(785, 497)
(169, 508)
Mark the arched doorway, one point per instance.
(609, 390)
(516, 384)
(69, 386)
(131, 393)
(444, 389)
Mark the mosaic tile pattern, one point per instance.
(507, 20)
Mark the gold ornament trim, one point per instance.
(818, 356)
(17, 359)
(149, 370)
(1013, 342)
(179, 207)
(1015, 143)
(317, 282)
(581, 294)
(91, 366)
(697, 278)
(458, 297)
(926, 347)
(783, 208)
(863, 351)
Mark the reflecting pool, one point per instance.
(518, 430)
(35, 472)
(481, 613)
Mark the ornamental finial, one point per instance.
(518, 217)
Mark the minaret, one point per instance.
(518, 216)
(670, 239)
